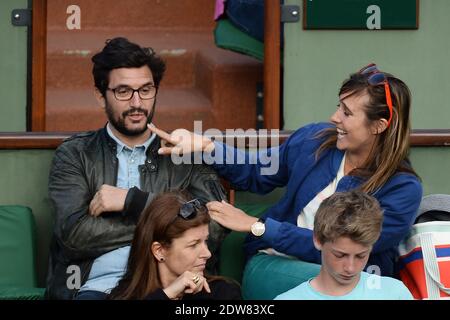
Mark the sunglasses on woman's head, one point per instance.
(375, 77)
(189, 209)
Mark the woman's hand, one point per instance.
(230, 216)
(187, 282)
(181, 141)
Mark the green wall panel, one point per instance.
(431, 164)
(317, 61)
(433, 167)
(23, 181)
(13, 67)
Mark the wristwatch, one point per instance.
(258, 228)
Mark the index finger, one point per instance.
(206, 286)
(161, 133)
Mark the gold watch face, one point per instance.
(258, 228)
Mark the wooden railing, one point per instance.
(272, 63)
(51, 140)
(38, 66)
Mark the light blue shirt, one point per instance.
(369, 287)
(129, 161)
(109, 268)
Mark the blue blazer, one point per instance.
(304, 177)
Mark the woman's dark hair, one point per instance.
(121, 53)
(389, 154)
(160, 221)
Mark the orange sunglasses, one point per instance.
(376, 77)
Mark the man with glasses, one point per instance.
(100, 181)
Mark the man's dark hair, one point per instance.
(121, 53)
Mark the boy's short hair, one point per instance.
(353, 214)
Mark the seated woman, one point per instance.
(169, 253)
(364, 147)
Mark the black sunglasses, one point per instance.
(189, 209)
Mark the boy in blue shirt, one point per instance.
(346, 226)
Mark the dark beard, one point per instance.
(119, 124)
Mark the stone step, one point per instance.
(69, 54)
(202, 82)
(77, 110)
(230, 81)
(132, 14)
(73, 69)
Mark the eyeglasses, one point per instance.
(124, 93)
(376, 77)
(189, 209)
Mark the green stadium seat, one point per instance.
(18, 278)
(232, 258)
(227, 36)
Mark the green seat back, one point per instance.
(227, 36)
(17, 247)
(232, 258)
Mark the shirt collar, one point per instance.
(121, 145)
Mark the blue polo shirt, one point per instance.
(369, 287)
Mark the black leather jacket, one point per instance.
(81, 165)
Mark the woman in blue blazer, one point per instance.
(365, 146)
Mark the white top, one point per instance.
(306, 217)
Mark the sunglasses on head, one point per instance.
(375, 77)
(189, 209)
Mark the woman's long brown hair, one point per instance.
(389, 154)
(158, 222)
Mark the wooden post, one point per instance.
(38, 64)
(272, 25)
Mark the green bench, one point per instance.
(232, 258)
(227, 36)
(18, 279)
